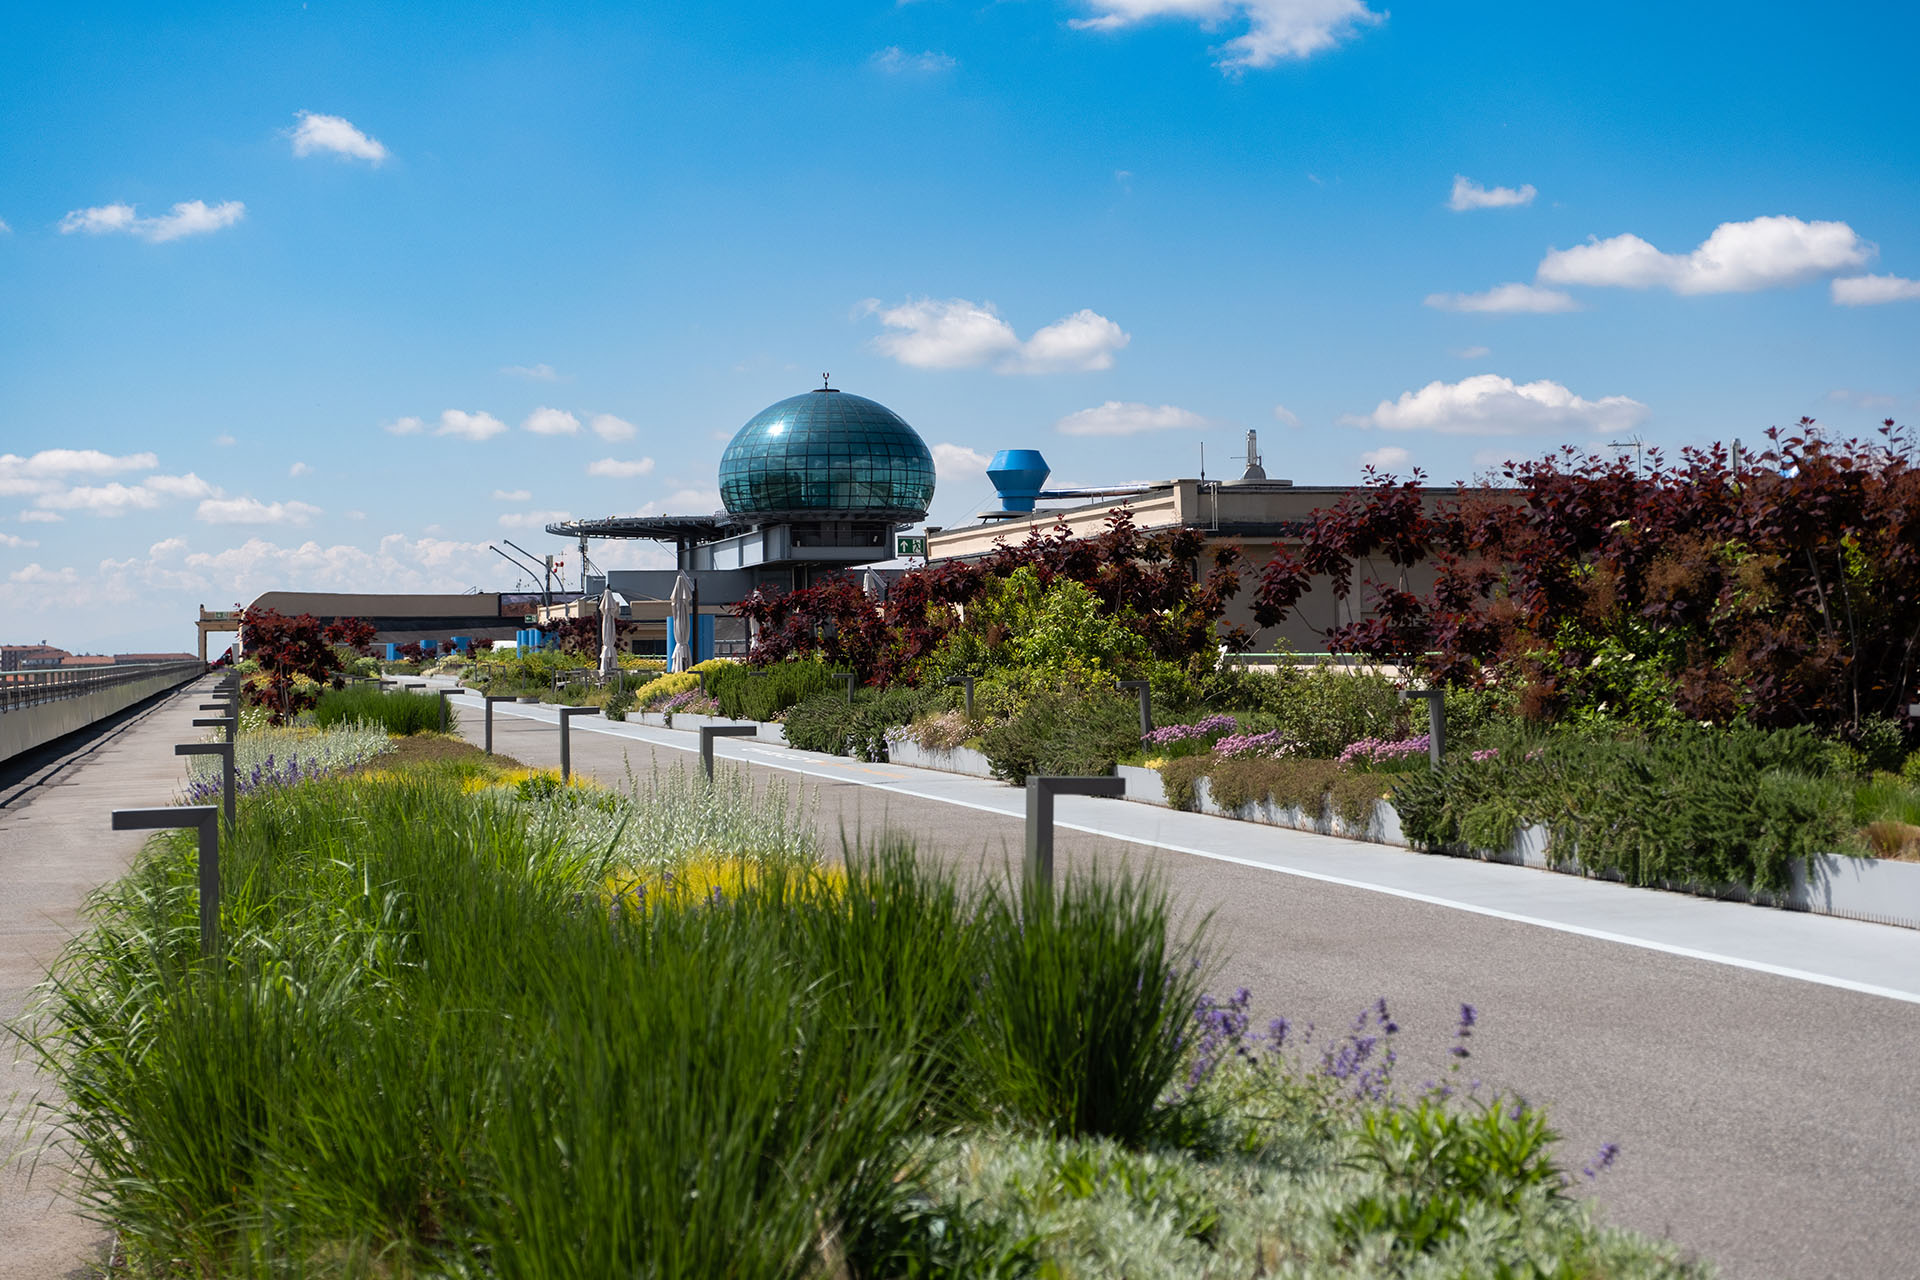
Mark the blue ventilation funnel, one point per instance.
(1017, 475)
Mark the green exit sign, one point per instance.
(906, 544)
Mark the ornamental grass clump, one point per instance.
(399, 714)
(279, 756)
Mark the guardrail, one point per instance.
(22, 689)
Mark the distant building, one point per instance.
(812, 485)
(145, 659)
(86, 660)
(1251, 513)
(30, 657)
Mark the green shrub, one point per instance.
(1692, 806)
(766, 692)
(1324, 709)
(1082, 1017)
(1064, 733)
(398, 713)
(827, 722)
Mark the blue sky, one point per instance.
(332, 295)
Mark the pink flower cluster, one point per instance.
(1273, 742)
(1171, 733)
(1380, 751)
(1490, 753)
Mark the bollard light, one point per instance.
(566, 737)
(204, 819)
(708, 732)
(1040, 793)
(966, 683)
(446, 709)
(216, 722)
(490, 699)
(850, 679)
(1145, 693)
(1436, 721)
(225, 751)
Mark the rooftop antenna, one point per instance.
(826, 382)
(1203, 462)
(1634, 443)
(1254, 470)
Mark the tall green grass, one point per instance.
(434, 1045)
(398, 713)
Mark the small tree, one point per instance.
(296, 655)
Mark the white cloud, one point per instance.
(1285, 415)
(683, 502)
(34, 576)
(186, 486)
(958, 334)
(188, 218)
(5, 230)
(512, 495)
(1383, 459)
(1739, 257)
(1487, 404)
(1871, 291)
(299, 469)
(49, 468)
(957, 462)
(1276, 29)
(1468, 194)
(468, 426)
(1084, 340)
(166, 547)
(14, 540)
(224, 440)
(897, 61)
(550, 422)
(112, 499)
(620, 468)
(608, 427)
(1506, 299)
(39, 517)
(531, 372)
(532, 519)
(1473, 353)
(336, 135)
(254, 511)
(405, 427)
(1127, 418)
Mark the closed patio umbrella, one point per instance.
(680, 609)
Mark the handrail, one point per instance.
(22, 689)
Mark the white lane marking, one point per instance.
(1411, 895)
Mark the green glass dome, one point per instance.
(827, 450)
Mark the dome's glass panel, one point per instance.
(826, 451)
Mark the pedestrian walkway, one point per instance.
(1873, 959)
(56, 847)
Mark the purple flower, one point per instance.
(1602, 1160)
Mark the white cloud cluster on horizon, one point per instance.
(253, 511)
(1386, 458)
(897, 61)
(1488, 404)
(1127, 418)
(336, 136)
(620, 468)
(958, 334)
(188, 218)
(1276, 29)
(1874, 291)
(1506, 299)
(49, 468)
(1468, 194)
(1739, 257)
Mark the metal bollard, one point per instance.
(205, 819)
(490, 699)
(217, 722)
(446, 711)
(1436, 721)
(966, 683)
(1040, 793)
(851, 679)
(566, 737)
(708, 732)
(225, 751)
(1145, 694)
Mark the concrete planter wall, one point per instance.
(1143, 784)
(1382, 825)
(959, 760)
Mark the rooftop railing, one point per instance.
(22, 689)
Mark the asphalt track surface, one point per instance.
(1767, 1123)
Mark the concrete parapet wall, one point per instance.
(24, 728)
